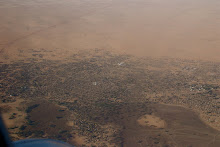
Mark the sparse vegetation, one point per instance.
(30, 108)
(22, 127)
(121, 93)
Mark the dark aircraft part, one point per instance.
(5, 140)
(40, 143)
(4, 137)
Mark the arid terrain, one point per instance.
(97, 98)
(111, 73)
(173, 28)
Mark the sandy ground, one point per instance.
(175, 28)
(152, 121)
(13, 116)
(183, 128)
(13, 108)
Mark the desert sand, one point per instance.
(173, 28)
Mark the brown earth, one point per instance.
(7, 111)
(173, 28)
(49, 118)
(183, 128)
(186, 29)
(151, 120)
(61, 101)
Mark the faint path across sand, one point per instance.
(6, 45)
(173, 28)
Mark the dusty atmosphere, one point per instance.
(111, 72)
(174, 28)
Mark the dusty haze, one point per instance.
(174, 28)
(111, 72)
